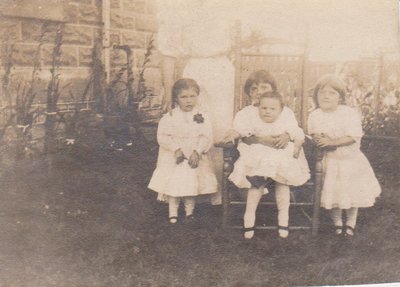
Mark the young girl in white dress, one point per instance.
(267, 158)
(349, 181)
(183, 168)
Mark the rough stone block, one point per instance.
(153, 78)
(129, 22)
(146, 23)
(118, 58)
(155, 59)
(70, 12)
(136, 6)
(24, 55)
(80, 35)
(116, 19)
(115, 38)
(85, 57)
(89, 14)
(32, 31)
(68, 56)
(134, 39)
(82, 1)
(9, 30)
(115, 4)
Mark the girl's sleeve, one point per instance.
(353, 127)
(165, 134)
(205, 140)
(242, 123)
(293, 129)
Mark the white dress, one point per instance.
(348, 179)
(178, 129)
(197, 31)
(261, 160)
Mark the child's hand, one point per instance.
(194, 159)
(267, 140)
(296, 151)
(323, 141)
(281, 141)
(230, 137)
(179, 156)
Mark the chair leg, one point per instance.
(317, 193)
(227, 169)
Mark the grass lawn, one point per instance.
(92, 222)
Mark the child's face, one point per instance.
(269, 109)
(256, 90)
(187, 99)
(328, 98)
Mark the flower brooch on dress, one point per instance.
(198, 118)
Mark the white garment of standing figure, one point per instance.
(199, 31)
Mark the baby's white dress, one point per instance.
(261, 160)
(348, 179)
(178, 129)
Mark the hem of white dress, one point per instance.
(354, 205)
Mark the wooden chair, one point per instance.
(289, 70)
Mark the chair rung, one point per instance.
(273, 203)
(268, 227)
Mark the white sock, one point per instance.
(253, 198)
(189, 202)
(282, 196)
(173, 205)
(351, 218)
(336, 215)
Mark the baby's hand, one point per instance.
(194, 159)
(296, 151)
(179, 156)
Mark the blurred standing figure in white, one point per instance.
(200, 31)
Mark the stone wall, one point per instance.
(133, 23)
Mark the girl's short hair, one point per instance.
(183, 84)
(273, 95)
(257, 77)
(335, 83)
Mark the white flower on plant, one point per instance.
(70, 141)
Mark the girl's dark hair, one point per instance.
(260, 76)
(183, 84)
(273, 95)
(333, 81)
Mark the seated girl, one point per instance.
(183, 168)
(268, 158)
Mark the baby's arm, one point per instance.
(298, 140)
(268, 140)
(241, 127)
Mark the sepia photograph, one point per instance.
(199, 143)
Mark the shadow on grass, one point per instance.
(88, 219)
